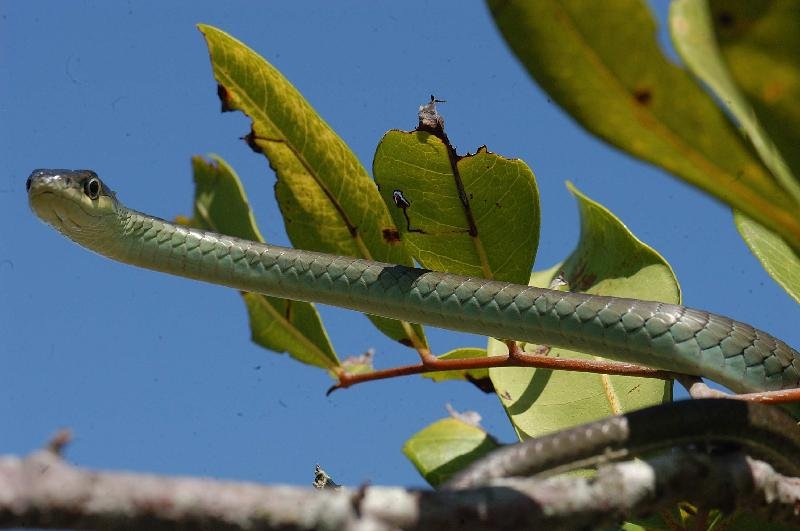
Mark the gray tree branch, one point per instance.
(44, 491)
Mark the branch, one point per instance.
(697, 388)
(44, 491)
(515, 357)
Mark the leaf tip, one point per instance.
(572, 188)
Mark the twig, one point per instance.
(59, 441)
(699, 389)
(515, 358)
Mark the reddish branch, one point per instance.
(516, 357)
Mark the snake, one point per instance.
(720, 424)
(660, 335)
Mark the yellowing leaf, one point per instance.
(328, 201)
(602, 63)
(759, 42)
(693, 35)
(277, 324)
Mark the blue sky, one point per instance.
(157, 374)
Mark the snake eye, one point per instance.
(92, 188)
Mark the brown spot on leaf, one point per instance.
(725, 19)
(643, 96)
(407, 342)
(391, 235)
(773, 91)
(225, 98)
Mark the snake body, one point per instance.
(765, 433)
(659, 335)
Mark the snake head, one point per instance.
(74, 202)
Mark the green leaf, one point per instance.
(329, 202)
(602, 63)
(694, 39)
(445, 447)
(609, 260)
(221, 205)
(460, 353)
(476, 215)
(759, 41)
(781, 261)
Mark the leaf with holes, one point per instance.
(328, 201)
(476, 215)
(620, 86)
(281, 325)
(445, 447)
(609, 260)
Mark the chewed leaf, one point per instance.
(329, 202)
(277, 324)
(620, 86)
(476, 215)
(445, 447)
(781, 261)
(541, 401)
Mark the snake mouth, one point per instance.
(66, 214)
(42, 203)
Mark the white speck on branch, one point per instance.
(44, 491)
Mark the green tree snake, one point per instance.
(666, 336)
(764, 431)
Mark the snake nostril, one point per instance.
(28, 185)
